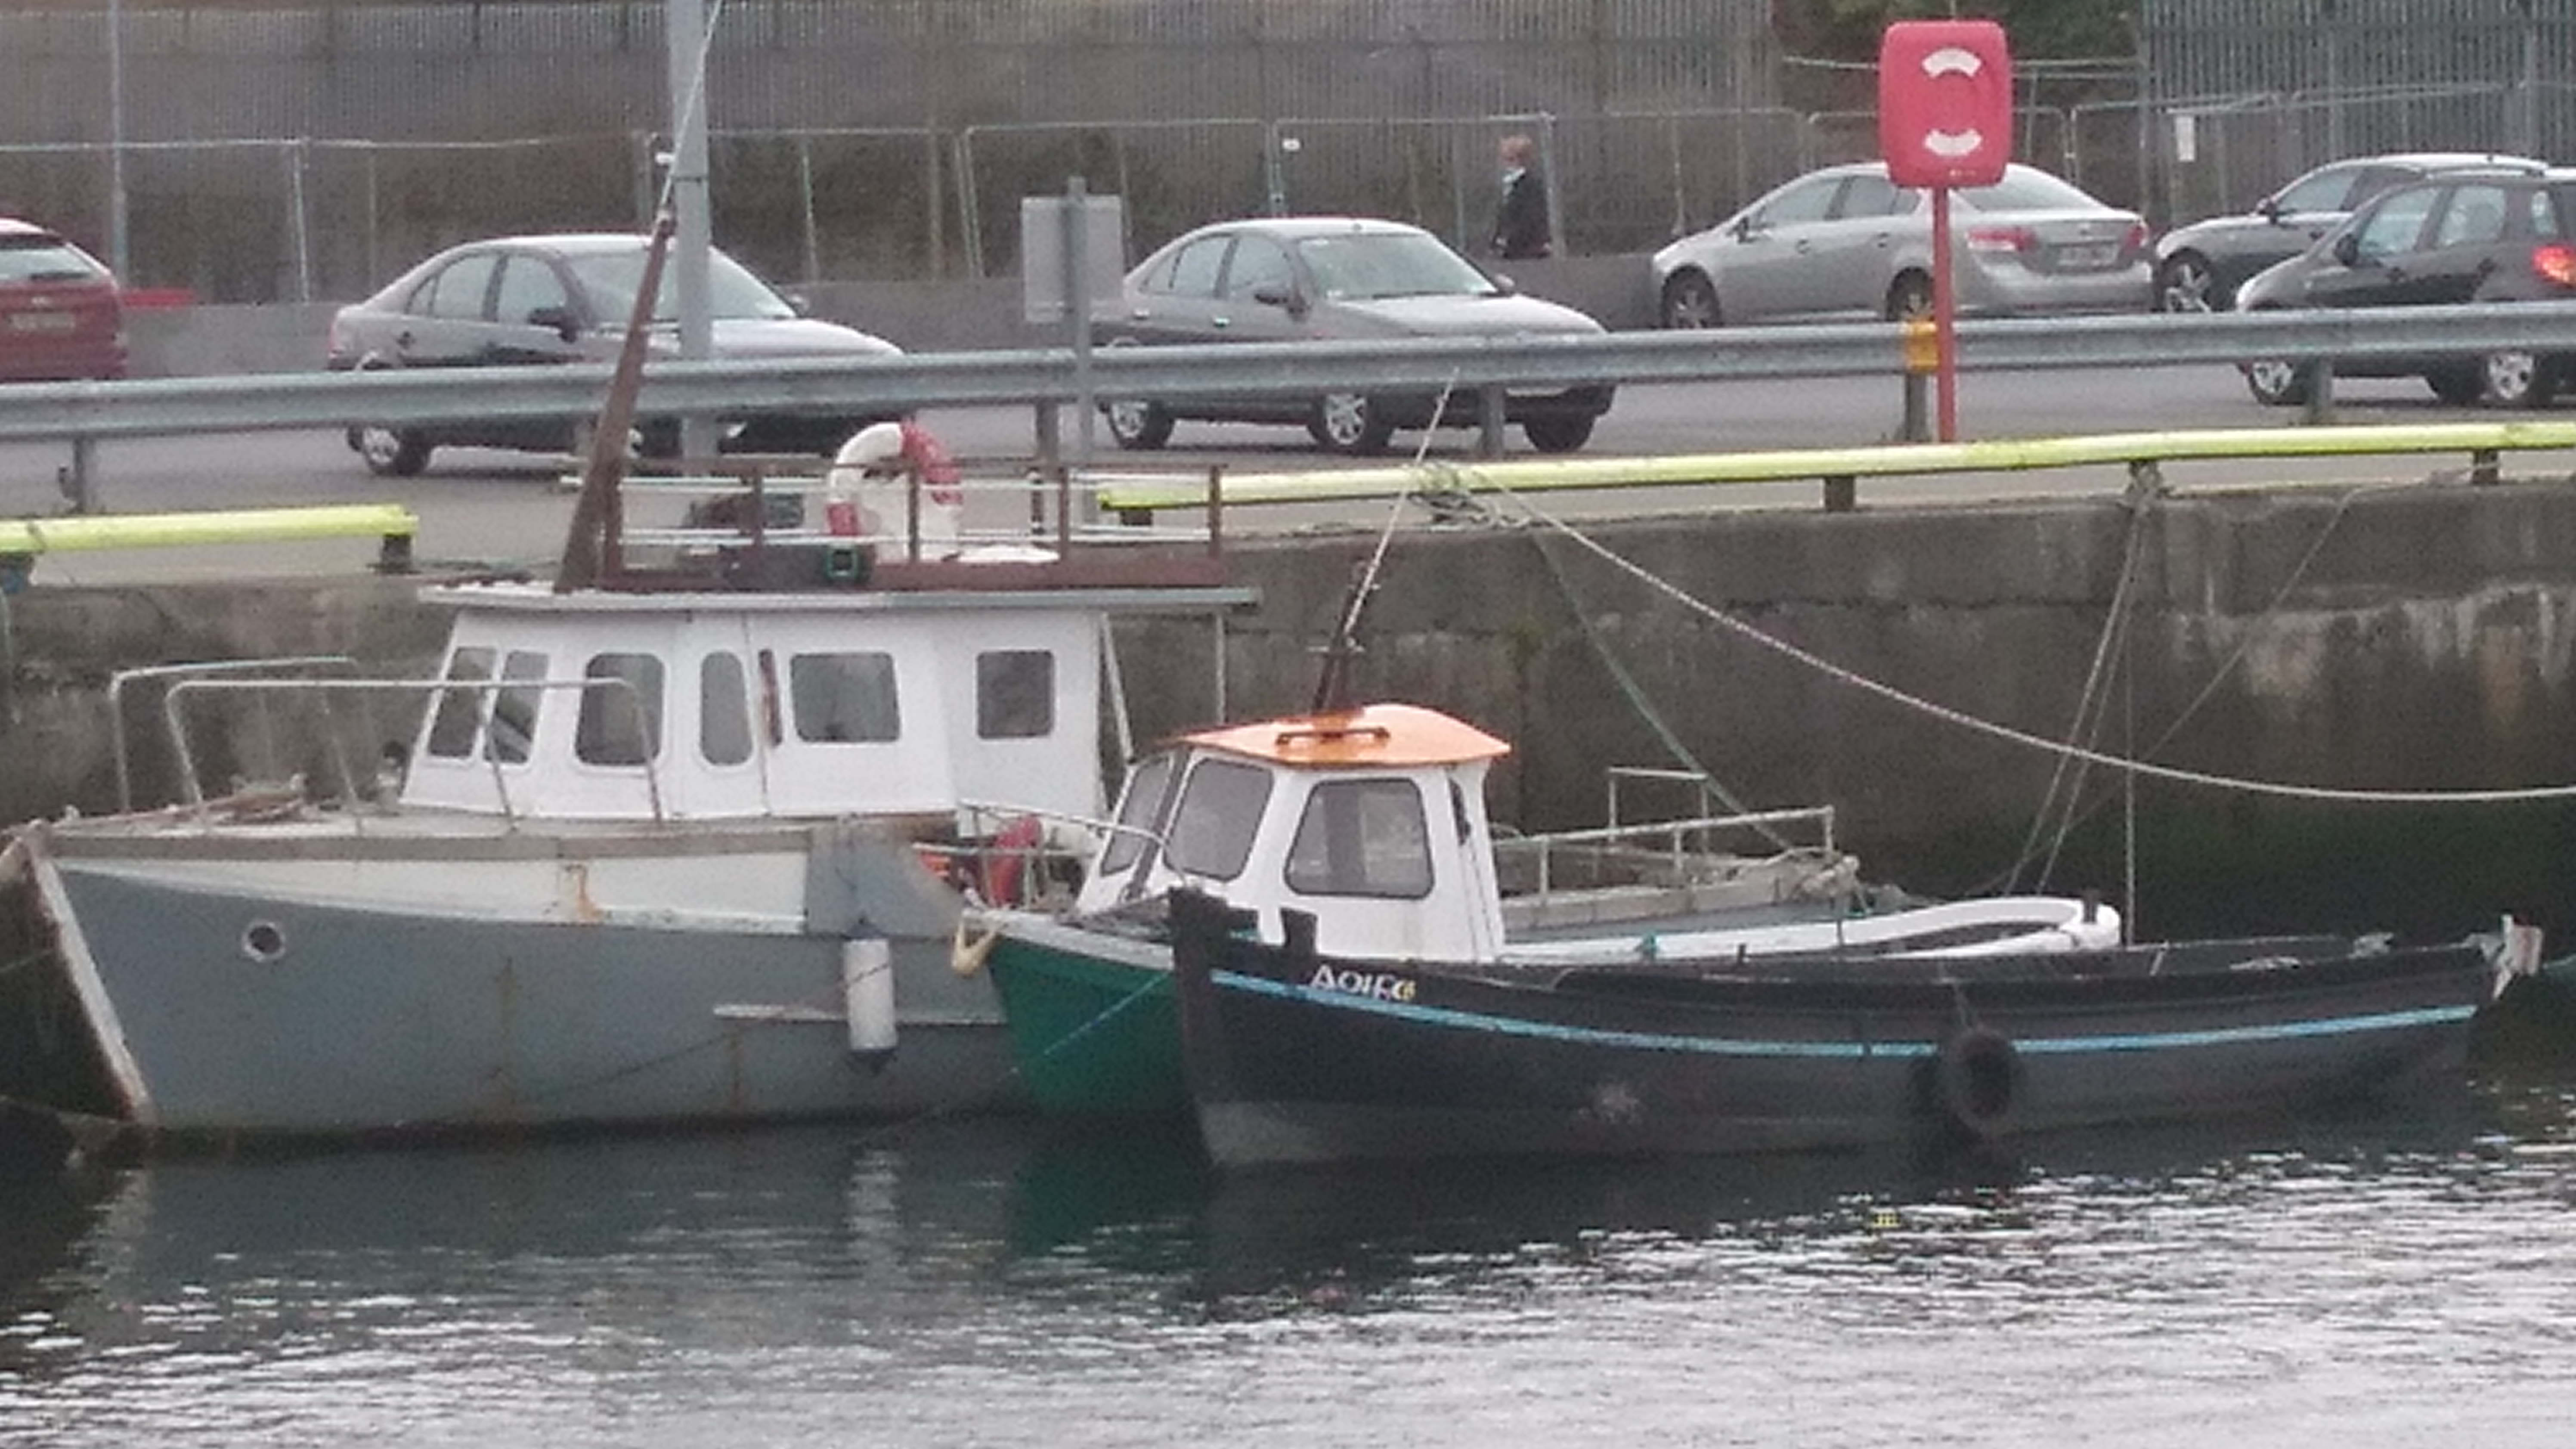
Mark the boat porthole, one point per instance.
(263, 941)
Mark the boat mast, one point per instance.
(593, 551)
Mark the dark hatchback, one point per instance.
(1285, 279)
(2199, 267)
(566, 298)
(2465, 237)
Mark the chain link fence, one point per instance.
(315, 219)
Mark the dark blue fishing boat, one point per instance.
(1295, 1054)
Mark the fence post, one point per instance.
(298, 225)
(970, 231)
(805, 199)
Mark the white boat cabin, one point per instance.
(709, 705)
(1373, 819)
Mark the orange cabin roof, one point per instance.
(1378, 735)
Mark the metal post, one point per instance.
(805, 196)
(1077, 311)
(298, 220)
(119, 259)
(1945, 335)
(686, 23)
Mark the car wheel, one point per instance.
(2513, 380)
(2277, 382)
(1909, 298)
(1557, 434)
(1344, 422)
(2458, 386)
(391, 452)
(1138, 426)
(2184, 284)
(1691, 302)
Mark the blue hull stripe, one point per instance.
(1722, 1046)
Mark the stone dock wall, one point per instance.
(1906, 666)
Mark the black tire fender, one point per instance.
(1978, 1074)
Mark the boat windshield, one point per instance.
(1138, 809)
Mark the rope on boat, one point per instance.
(2009, 735)
(1636, 695)
(2064, 795)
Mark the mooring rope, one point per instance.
(2023, 738)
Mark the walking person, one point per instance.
(1520, 221)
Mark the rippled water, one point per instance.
(2366, 1283)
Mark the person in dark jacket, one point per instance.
(1520, 222)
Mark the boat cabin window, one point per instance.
(621, 719)
(724, 710)
(513, 726)
(460, 711)
(1220, 812)
(1362, 838)
(1138, 809)
(1014, 695)
(844, 698)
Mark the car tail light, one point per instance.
(2002, 239)
(2556, 262)
(2136, 240)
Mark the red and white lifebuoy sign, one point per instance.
(1945, 102)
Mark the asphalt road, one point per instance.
(509, 509)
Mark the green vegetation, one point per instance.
(2039, 29)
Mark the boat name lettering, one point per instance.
(1380, 985)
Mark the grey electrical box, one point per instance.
(1054, 231)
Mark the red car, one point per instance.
(61, 318)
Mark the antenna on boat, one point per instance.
(1332, 684)
(592, 542)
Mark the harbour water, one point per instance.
(2389, 1280)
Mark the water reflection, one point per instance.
(1008, 1283)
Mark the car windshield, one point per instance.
(1360, 266)
(45, 259)
(2027, 191)
(733, 293)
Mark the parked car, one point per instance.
(1847, 242)
(2199, 267)
(1281, 279)
(62, 317)
(567, 298)
(2463, 237)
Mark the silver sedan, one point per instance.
(1847, 243)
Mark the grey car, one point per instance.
(1845, 242)
(2200, 267)
(567, 298)
(1283, 279)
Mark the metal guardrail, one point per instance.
(85, 413)
(165, 407)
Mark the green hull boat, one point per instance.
(1092, 1022)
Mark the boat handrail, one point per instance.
(193, 792)
(1063, 508)
(117, 681)
(1094, 829)
(1679, 840)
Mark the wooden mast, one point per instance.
(593, 548)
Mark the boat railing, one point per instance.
(192, 790)
(117, 682)
(1673, 851)
(1009, 865)
(758, 502)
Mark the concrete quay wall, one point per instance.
(2407, 640)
